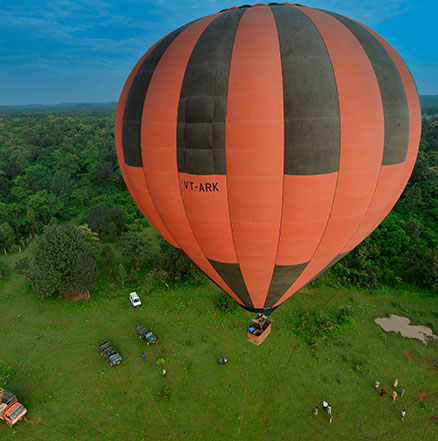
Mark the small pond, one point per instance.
(402, 325)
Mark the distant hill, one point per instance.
(429, 104)
(89, 108)
(428, 100)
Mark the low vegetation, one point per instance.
(68, 225)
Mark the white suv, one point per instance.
(135, 299)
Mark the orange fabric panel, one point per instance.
(389, 178)
(306, 207)
(362, 141)
(158, 143)
(394, 178)
(254, 148)
(205, 200)
(133, 176)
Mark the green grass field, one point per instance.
(266, 392)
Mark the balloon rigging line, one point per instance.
(160, 413)
(238, 367)
(303, 396)
(244, 398)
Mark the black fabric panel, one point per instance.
(266, 311)
(282, 279)
(232, 276)
(203, 101)
(135, 100)
(312, 131)
(395, 104)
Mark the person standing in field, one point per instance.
(402, 392)
(394, 395)
(324, 405)
(376, 384)
(402, 415)
(329, 410)
(316, 411)
(395, 384)
(382, 392)
(331, 418)
(143, 356)
(164, 372)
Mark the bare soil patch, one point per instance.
(433, 362)
(433, 419)
(34, 420)
(424, 396)
(410, 355)
(76, 296)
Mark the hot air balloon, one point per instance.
(267, 142)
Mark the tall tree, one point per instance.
(117, 216)
(97, 219)
(108, 258)
(7, 236)
(63, 261)
(103, 172)
(121, 274)
(135, 248)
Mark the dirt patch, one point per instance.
(424, 396)
(410, 355)
(33, 421)
(433, 363)
(76, 296)
(433, 419)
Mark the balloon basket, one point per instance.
(259, 329)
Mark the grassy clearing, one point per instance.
(264, 393)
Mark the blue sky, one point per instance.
(83, 50)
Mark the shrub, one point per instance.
(178, 266)
(4, 271)
(224, 303)
(163, 392)
(323, 323)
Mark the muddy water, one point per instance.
(402, 324)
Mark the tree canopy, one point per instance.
(63, 262)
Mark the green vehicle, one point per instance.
(147, 335)
(112, 356)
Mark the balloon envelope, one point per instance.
(267, 142)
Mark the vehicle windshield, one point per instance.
(16, 413)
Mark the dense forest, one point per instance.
(59, 171)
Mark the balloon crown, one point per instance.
(263, 4)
